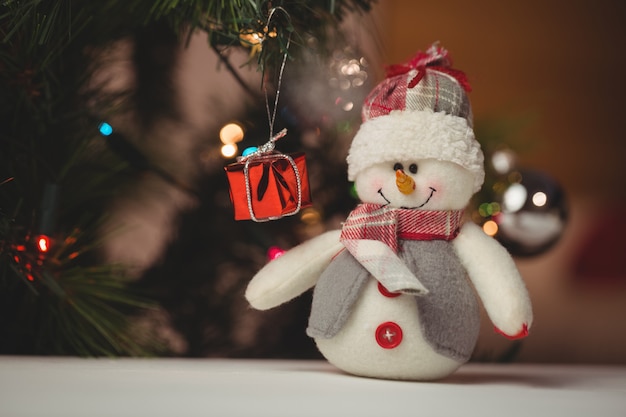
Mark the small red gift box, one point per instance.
(269, 186)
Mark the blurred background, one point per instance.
(547, 81)
(550, 70)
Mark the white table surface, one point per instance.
(45, 386)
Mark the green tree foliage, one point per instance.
(56, 170)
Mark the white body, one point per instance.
(355, 350)
(439, 185)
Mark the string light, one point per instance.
(29, 263)
(43, 243)
(252, 40)
(274, 252)
(105, 129)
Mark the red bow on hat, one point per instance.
(435, 58)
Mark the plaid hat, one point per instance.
(420, 110)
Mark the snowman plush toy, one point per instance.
(397, 288)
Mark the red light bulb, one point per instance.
(43, 243)
(274, 252)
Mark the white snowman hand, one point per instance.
(497, 281)
(294, 272)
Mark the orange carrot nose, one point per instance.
(404, 182)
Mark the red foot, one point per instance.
(523, 333)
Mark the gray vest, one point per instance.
(449, 313)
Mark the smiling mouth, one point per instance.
(432, 192)
(380, 191)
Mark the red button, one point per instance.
(384, 291)
(388, 335)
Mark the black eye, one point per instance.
(397, 166)
(413, 168)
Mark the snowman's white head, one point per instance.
(416, 135)
(422, 184)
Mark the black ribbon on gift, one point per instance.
(280, 181)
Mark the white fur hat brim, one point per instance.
(421, 134)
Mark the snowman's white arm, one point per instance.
(496, 279)
(294, 272)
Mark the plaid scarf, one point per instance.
(371, 235)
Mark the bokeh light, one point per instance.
(231, 133)
(274, 252)
(503, 161)
(105, 129)
(490, 228)
(514, 198)
(229, 150)
(311, 216)
(43, 243)
(540, 199)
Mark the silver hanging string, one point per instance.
(271, 115)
